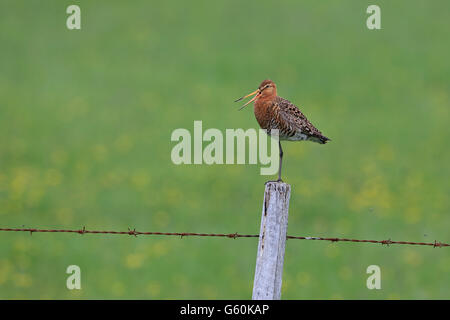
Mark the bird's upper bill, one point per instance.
(266, 88)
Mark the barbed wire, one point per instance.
(133, 232)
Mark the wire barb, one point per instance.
(437, 244)
(132, 232)
(233, 235)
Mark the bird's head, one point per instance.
(266, 89)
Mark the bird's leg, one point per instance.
(281, 161)
(279, 167)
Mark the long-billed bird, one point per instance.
(274, 112)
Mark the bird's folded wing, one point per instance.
(291, 115)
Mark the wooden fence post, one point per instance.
(272, 241)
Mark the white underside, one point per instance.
(296, 137)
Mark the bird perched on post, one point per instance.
(274, 112)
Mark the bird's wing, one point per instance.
(295, 119)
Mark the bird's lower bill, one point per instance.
(257, 92)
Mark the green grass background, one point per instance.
(86, 118)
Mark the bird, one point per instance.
(274, 112)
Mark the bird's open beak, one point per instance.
(257, 92)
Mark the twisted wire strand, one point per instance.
(133, 232)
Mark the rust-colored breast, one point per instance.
(264, 112)
(268, 113)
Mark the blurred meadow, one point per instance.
(86, 118)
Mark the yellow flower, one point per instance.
(134, 260)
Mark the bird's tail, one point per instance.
(324, 139)
(319, 139)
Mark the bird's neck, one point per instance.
(264, 100)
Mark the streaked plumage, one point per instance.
(274, 112)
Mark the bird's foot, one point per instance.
(279, 180)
